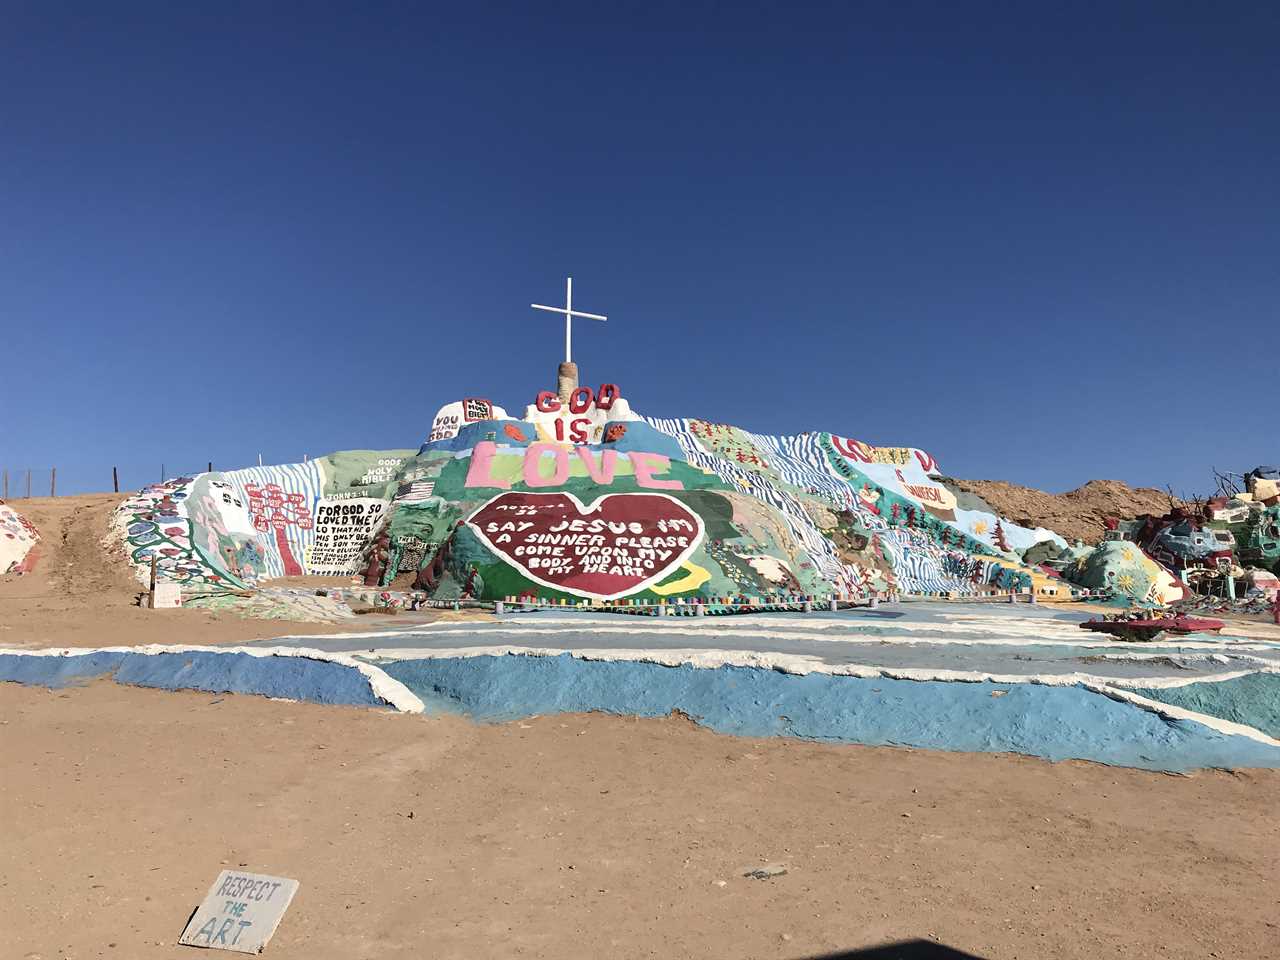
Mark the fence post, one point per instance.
(6, 484)
(151, 592)
(53, 481)
(115, 480)
(28, 483)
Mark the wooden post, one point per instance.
(151, 592)
(162, 473)
(115, 480)
(6, 484)
(53, 481)
(211, 466)
(28, 483)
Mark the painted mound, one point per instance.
(587, 500)
(18, 539)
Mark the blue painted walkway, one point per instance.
(214, 671)
(983, 678)
(1056, 723)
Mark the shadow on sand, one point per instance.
(901, 950)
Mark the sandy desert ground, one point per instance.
(571, 836)
(593, 836)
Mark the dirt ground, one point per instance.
(568, 836)
(81, 594)
(594, 836)
(1079, 513)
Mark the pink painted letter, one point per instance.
(646, 465)
(602, 472)
(478, 473)
(533, 456)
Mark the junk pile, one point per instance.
(1135, 626)
(1219, 555)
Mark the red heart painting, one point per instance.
(620, 544)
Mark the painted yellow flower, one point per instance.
(979, 527)
(1124, 581)
(1126, 555)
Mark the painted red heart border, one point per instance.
(585, 511)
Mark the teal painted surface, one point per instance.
(293, 678)
(1056, 723)
(1253, 700)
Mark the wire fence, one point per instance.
(18, 483)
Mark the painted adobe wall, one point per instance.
(1121, 567)
(637, 509)
(18, 539)
(217, 531)
(685, 509)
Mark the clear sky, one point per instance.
(1040, 240)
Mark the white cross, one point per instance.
(569, 314)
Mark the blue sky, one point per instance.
(1039, 240)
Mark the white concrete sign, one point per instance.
(240, 912)
(168, 595)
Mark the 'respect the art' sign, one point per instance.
(618, 545)
(240, 912)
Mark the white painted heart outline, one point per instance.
(585, 512)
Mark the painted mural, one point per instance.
(1121, 567)
(585, 500)
(18, 541)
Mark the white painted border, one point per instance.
(586, 511)
(398, 696)
(800, 666)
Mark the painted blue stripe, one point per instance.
(1056, 723)
(293, 678)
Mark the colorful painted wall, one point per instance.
(18, 541)
(1122, 568)
(638, 509)
(219, 531)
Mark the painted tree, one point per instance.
(273, 511)
(998, 537)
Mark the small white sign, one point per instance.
(168, 595)
(240, 912)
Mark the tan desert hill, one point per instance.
(82, 594)
(1076, 514)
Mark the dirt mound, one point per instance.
(74, 565)
(1076, 514)
(82, 591)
